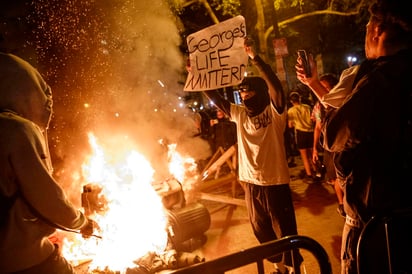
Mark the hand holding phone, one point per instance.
(305, 62)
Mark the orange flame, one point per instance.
(134, 222)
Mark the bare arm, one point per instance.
(312, 82)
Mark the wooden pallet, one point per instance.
(213, 178)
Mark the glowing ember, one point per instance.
(134, 220)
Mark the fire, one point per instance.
(132, 219)
(179, 166)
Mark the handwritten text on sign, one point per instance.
(217, 56)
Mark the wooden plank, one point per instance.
(228, 178)
(222, 199)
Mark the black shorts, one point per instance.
(304, 139)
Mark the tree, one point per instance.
(330, 28)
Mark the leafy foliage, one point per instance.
(227, 7)
(329, 28)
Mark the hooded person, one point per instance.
(32, 205)
(263, 169)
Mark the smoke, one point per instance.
(116, 70)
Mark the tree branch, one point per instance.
(210, 11)
(316, 13)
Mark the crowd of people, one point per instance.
(305, 118)
(368, 129)
(362, 125)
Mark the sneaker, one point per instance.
(341, 211)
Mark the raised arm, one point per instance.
(276, 93)
(312, 82)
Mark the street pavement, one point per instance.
(317, 217)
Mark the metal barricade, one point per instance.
(384, 244)
(258, 253)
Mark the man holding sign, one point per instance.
(263, 167)
(216, 55)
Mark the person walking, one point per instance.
(32, 204)
(263, 168)
(299, 118)
(370, 132)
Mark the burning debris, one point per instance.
(144, 227)
(185, 223)
(153, 263)
(103, 60)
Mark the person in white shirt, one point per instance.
(263, 167)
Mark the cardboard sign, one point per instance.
(217, 56)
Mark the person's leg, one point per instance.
(304, 142)
(280, 205)
(338, 190)
(332, 179)
(306, 162)
(309, 153)
(259, 218)
(339, 196)
(350, 236)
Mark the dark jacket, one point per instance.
(371, 135)
(223, 134)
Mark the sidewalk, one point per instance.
(317, 218)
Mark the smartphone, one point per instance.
(305, 62)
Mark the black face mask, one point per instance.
(257, 103)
